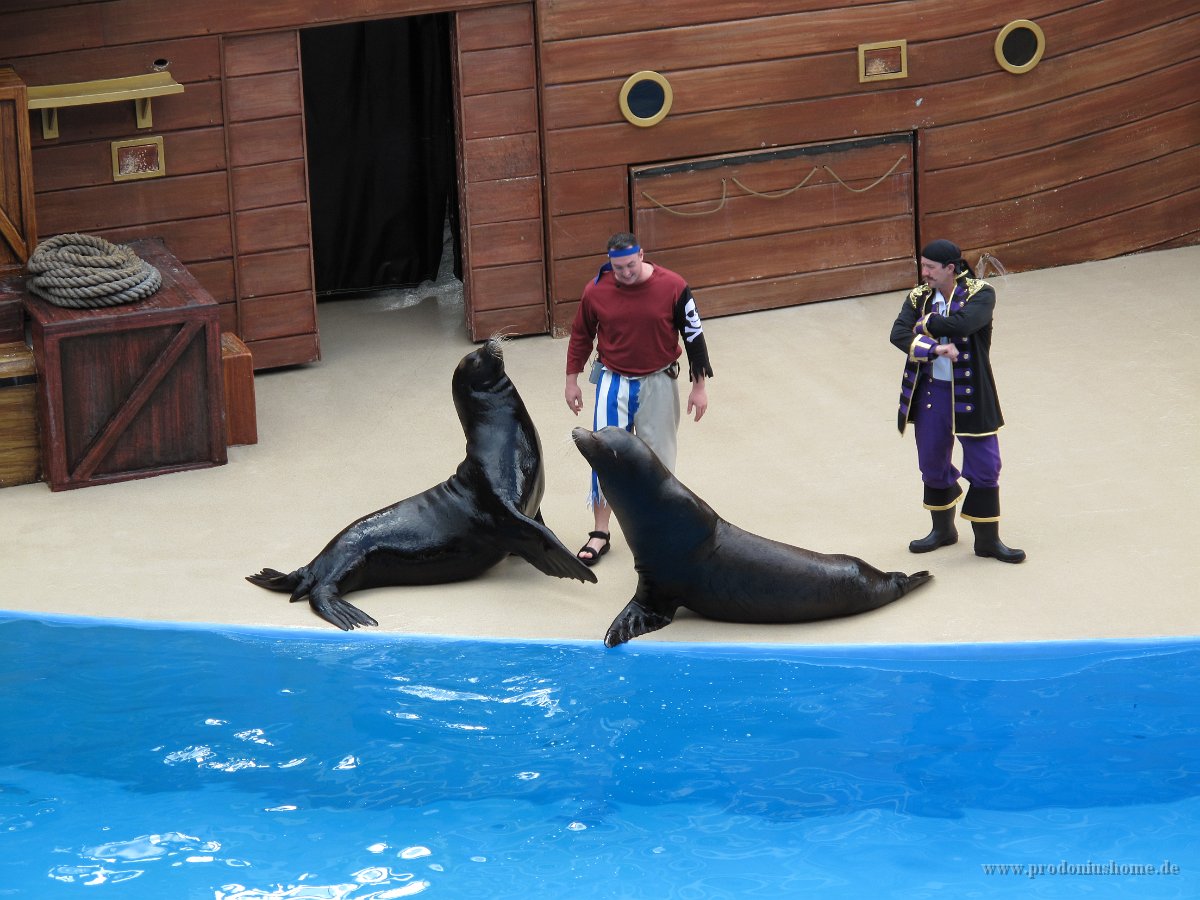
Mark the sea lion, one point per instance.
(489, 508)
(687, 555)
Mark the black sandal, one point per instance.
(593, 553)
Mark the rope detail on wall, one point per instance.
(85, 271)
(706, 212)
(779, 195)
(877, 181)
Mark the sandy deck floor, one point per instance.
(1098, 379)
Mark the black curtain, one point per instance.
(378, 110)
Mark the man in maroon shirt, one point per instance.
(635, 312)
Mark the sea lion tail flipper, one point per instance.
(327, 603)
(274, 580)
(907, 582)
(633, 621)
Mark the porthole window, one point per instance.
(1019, 46)
(645, 98)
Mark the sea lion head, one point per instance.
(618, 456)
(480, 382)
(481, 370)
(648, 500)
(628, 469)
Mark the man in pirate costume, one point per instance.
(945, 330)
(635, 313)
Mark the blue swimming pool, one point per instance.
(142, 761)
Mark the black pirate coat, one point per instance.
(968, 323)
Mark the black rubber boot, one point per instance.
(943, 534)
(988, 543)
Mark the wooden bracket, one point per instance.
(137, 88)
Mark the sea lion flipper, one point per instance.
(329, 605)
(915, 580)
(274, 580)
(634, 621)
(540, 547)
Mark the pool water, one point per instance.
(151, 761)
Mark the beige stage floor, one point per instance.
(1098, 375)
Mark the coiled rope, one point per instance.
(82, 271)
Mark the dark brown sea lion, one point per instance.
(687, 555)
(488, 509)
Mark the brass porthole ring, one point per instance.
(645, 98)
(1019, 46)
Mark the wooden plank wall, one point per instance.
(500, 172)
(189, 207)
(782, 227)
(264, 131)
(1091, 154)
(233, 205)
(246, 179)
(1094, 154)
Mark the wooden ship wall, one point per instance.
(801, 150)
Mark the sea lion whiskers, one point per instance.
(500, 337)
(565, 442)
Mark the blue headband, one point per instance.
(624, 251)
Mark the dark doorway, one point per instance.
(378, 110)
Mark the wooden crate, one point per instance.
(237, 366)
(133, 390)
(18, 416)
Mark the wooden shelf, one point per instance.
(139, 89)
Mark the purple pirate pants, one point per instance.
(934, 423)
